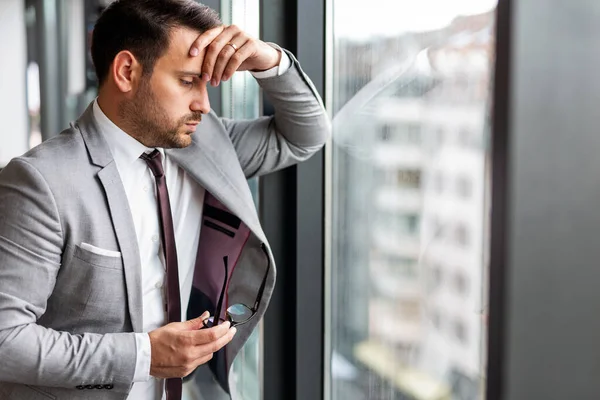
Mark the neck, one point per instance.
(110, 107)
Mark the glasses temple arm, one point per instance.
(264, 281)
(217, 316)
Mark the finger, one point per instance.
(230, 54)
(218, 344)
(215, 48)
(238, 59)
(204, 39)
(205, 359)
(196, 323)
(208, 335)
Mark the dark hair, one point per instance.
(143, 27)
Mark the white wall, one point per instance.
(13, 102)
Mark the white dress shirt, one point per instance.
(187, 199)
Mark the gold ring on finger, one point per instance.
(233, 45)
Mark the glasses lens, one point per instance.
(209, 322)
(239, 313)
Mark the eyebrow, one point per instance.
(190, 73)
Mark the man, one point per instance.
(139, 215)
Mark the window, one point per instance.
(464, 187)
(437, 275)
(403, 133)
(400, 91)
(386, 132)
(464, 137)
(461, 235)
(240, 100)
(460, 331)
(409, 179)
(461, 284)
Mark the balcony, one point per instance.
(391, 198)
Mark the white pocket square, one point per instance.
(99, 251)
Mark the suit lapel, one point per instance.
(120, 212)
(125, 231)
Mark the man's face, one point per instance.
(168, 105)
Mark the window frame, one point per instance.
(292, 213)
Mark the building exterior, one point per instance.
(413, 144)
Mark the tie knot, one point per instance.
(154, 161)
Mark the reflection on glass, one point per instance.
(240, 100)
(410, 100)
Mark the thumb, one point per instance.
(196, 323)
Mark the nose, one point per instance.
(200, 103)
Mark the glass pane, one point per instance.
(411, 91)
(13, 101)
(43, 43)
(240, 96)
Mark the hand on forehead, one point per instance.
(204, 40)
(187, 48)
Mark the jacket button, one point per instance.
(108, 387)
(99, 387)
(79, 387)
(89, 386)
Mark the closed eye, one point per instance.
(186, 83)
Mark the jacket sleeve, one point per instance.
(31, 243)
(299, 127)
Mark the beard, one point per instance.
(149, 123)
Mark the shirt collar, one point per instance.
(124, 148)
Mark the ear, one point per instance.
(126, 71)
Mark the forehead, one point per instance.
(177, 55)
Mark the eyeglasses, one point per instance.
(238, 314)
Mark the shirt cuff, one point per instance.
(144, 353)
(277, 70)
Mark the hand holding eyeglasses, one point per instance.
(180, 347)
(238, 313)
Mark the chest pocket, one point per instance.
(90, 293)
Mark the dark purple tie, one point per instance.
(154, 161)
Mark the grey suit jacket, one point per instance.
(67, 315)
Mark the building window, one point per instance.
(461, 235)
(464, 187)
(460, 331)
(386, 132)
(464, 137)
(437, 275)
(409, 309)
(461, 284)
(409, 179)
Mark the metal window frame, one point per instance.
(292, 212)
(499, 185)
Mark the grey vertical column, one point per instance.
(545, 272)
(292, 209)
(278, 216)
(214, 93)
(50, 77)
(310, 273)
